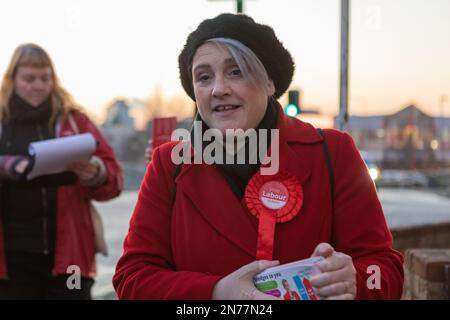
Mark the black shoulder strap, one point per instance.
(329, 166)
(175, 175)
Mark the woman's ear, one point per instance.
(270, 88)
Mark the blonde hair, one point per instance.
(32, 55)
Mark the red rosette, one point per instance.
(272, 199)
(294, 200)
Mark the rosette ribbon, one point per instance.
(272, 199)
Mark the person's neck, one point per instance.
(237, 173)
(23, 112)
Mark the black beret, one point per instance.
(261, 39)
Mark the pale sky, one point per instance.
(399, 53)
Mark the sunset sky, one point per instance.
(399, 53)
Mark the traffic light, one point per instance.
(293, 107)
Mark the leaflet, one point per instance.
(55, 155)
(289, 281)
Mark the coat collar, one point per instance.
(208, 190)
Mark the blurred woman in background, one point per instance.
(46, 231)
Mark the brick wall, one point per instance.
(427, 253)
(427, 274)
(436, 236)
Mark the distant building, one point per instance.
(407, 139)
(117, 115)
(118, 129)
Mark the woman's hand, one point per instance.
(239, 285)
(338, 278)
(86, 170)
(14, 167)
(21, 166)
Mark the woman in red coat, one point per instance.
(47, 244)
(203, 230)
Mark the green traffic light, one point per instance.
(291, 110)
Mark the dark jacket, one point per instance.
(30, 226)
(74, 230)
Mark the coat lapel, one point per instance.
(209, 192)
(293, 163)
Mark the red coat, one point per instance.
(74, 232)
(181, 251)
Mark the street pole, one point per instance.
(343, 84)
(239, 6)
(443, 131)
(443, 99)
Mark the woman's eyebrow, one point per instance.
(227, 61)
(201, 66)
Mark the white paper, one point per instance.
(55, 155)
